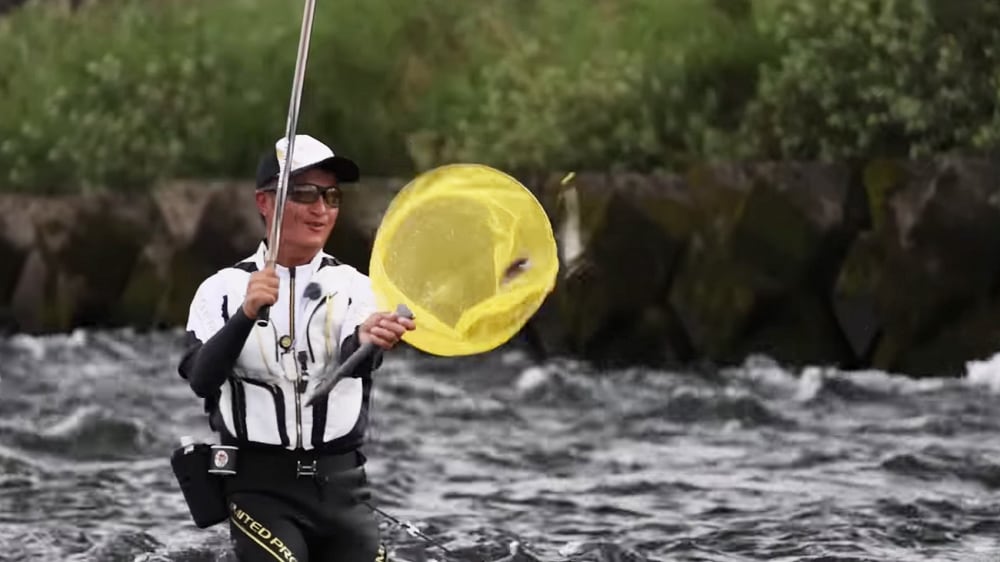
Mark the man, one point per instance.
(299, 485)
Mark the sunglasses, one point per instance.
(307, 194)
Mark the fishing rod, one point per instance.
(274, 236)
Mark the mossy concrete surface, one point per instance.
(888, 264)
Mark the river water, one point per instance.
(566, 463)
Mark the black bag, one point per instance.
(203, 491)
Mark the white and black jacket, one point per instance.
(254, 384)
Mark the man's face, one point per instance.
(305, 226)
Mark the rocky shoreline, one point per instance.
(886, 264)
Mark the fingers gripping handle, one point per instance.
(362, 353)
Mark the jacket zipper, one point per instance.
(298, 373)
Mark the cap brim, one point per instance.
(344, 168)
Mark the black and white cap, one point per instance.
(307, 153)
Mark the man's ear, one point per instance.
(263, 202)
(265, 205)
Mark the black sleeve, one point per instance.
(207, 365)
(364, 369)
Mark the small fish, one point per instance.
(516, 268)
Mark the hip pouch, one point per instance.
(203, 490)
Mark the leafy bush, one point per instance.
(123, 92)
(117, 95)
(649, 84)
(877, 78)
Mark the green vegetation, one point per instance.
(124, 92)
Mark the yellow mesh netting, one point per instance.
(470, 251)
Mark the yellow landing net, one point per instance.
(470, 251)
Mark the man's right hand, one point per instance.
(262, 290)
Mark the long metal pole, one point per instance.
(274, 236)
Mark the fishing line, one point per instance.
(411, 530)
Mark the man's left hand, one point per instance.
(384, 329)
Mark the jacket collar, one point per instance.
(313, 265)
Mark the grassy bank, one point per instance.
(124, 92)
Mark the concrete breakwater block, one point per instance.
(17, 239)
(761, 261)
(930, 260)
(619, 245)
(82, 253)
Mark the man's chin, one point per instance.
(318, 240)
(309, 241)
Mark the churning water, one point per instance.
(751, 463)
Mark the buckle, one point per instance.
(305, 469)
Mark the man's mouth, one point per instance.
(316, 225)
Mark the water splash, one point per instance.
(754, 462)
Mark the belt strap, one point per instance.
(346, 468)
